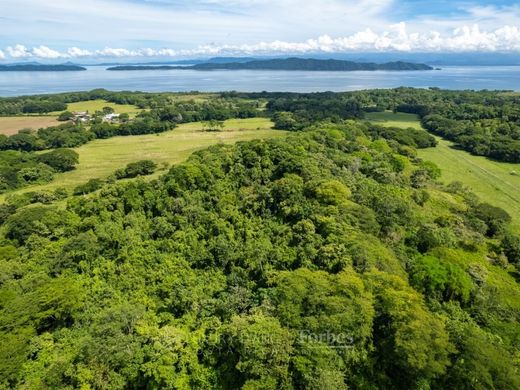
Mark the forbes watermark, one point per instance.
(325, 339)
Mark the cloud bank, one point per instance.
(396, 38)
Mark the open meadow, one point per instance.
(97, 105)
(494, 182)
(100, 158)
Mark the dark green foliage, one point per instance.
(494, 217)
(6, 210)
(18, 169)
(296, 111)
(138, 168)
(90, 186)
(39, 220)
(511, 248)
(67, 135)
(61, 160)
(65, 116)
(411, 137)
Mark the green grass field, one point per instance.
(12, 124)
(399, 119)
(97, 105)
(494, 182)
(100, 158)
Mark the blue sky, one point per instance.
(60, 29)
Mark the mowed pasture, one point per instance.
(494, 182)
(100, 158)
(12, 124)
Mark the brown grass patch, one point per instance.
(11, 125)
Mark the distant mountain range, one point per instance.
(34, 67)
(304, 64)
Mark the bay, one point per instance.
(449, 77)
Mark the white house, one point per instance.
(111, 117)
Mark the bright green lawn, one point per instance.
(399, 119)
(492, 181)
(100, 158)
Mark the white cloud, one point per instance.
(46, 53)
(2, 55)
(397, 38)
(76, 52)
(18, 51)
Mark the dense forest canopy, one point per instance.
(328, 259)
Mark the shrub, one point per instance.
(139, 168)
(89, 187)
(494, 217)
(511, 248)
(65, 116)
(61, 160)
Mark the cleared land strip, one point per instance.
(494, 182)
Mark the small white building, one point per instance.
(111, 117)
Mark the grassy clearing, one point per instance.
(97, 105)
(391, 119)
(494, 182)
(197, 97)
(12, 124)
(100, 158)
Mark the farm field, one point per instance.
(497, 183)
(100, 158)
(12, 124)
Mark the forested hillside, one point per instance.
(304, 64)
(330, 259)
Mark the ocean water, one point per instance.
(450, 77)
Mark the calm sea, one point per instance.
(452, 77)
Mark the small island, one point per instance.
(40, 68)
(293, 64)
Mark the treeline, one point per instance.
(67, 135)
(327, 259)
(41, 104)
(297, 111)
(18, 169)
(485, 123)
(166, 118)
